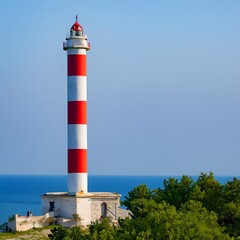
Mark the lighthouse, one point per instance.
(89, 206)
(77, 46)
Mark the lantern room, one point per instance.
(76, 30)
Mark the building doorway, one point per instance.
(103, 210)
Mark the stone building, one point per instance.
(88, 206)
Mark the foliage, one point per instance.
(3, 226)
(76, 233)
(211, 192)
(97, 231)
(11, 218)
(35, 233)
(191, 221)
(184, 209)
(138, 193)
(200, 223)
(59, 233)
(102, 231)
(175, 192)
(76, 218)
(223, 200)
(229, 215)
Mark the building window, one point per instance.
(51, 209)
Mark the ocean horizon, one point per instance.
(22, 193)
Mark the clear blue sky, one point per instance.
(163, 86)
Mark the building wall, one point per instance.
(83, 209)
(24, 223)
(88, 208)
(63, 206)
(112, 205)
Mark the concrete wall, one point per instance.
(83, 209)
(68, 223)
(24, 223)
(123, 213)
(64, 206)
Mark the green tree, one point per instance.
(76, 233)
(210, 192)
(137, 194)
(164, 221)
(11, 218)
(229, 216)
(198, 223)
(182, 210)
(140, 208)
(175, 192)
(232, 191)
(102, 230)
(59, 233)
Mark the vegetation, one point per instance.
(11, 218)
(184, 209)
(77, 219)
(36, 233)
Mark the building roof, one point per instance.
(76, 26)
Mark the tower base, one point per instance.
(89, 207)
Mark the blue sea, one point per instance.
(19, 194)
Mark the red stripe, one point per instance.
(77, 160)
(77, 112)
(77, 65)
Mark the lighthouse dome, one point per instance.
(76, 27)
(76, 30)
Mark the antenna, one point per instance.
(76, 18)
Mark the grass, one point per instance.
(35, 233)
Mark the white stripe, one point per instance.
(77, 182)
(77, 88)
(74, 51)
(77, 136)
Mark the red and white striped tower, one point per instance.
(76, 47)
